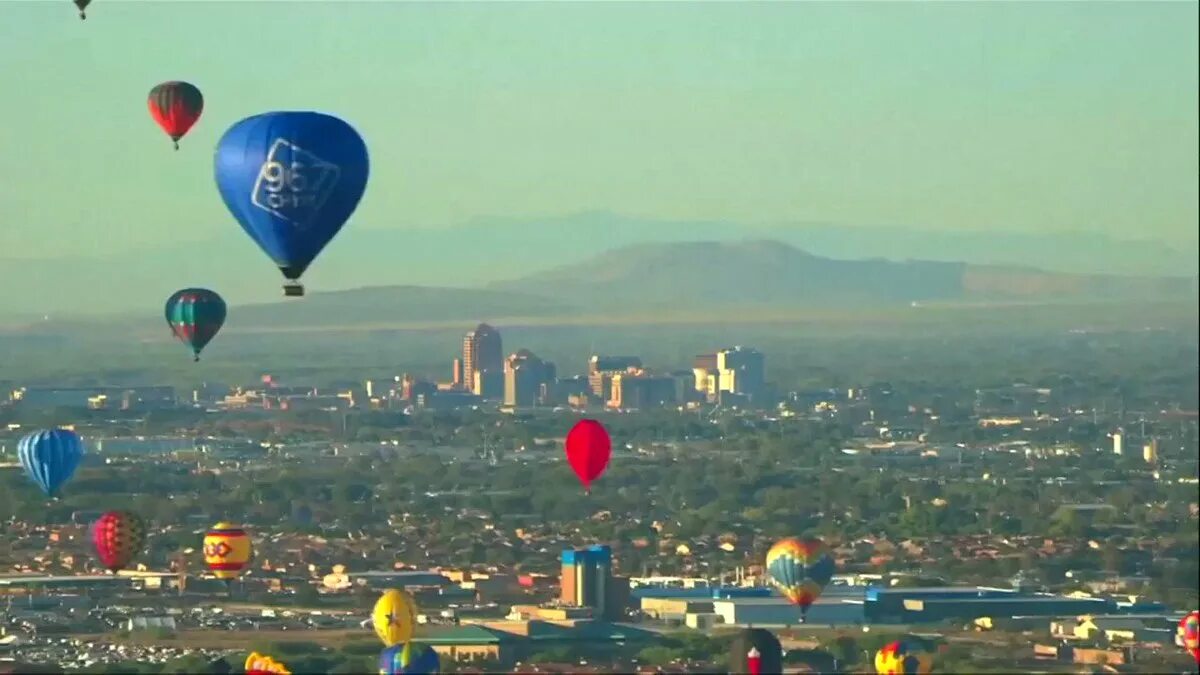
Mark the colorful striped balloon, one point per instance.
(227, 550)
(800, 569)
(1188, 635)
(903, 657)
(118, 536)
(195, 315)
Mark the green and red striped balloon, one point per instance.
(195, 315)
(118, 536)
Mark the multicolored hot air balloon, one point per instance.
(1188, 635)
(50, 457)
(82, 5)
(195, 316)
(394, 616)
(226, 550)
(118, 536)
(903, 657)
(800, 569)
(175, 106)
(755, 651)
(261, 664)
(408, 658)
(291, 179)
(588, 450)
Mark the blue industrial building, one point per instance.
(966, 603)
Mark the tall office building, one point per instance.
(601, 370)
(482, 351)
(1118, 442)
(739, 371)
(527, 379)
(587, 581)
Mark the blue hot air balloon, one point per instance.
(291, 179)
(408, 658)
(50, 457)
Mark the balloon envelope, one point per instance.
(195, 316)
(394, 615)
(82, 5)
(800, 569)
(291, 179)
(261, 664)
(1189, 634)
(755, 651)
(227, 550)
(903, 657)
(175, 106)
(408, 658)
(50, 457)
(588, 450)
(118, 536)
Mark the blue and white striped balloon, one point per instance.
(50, 457)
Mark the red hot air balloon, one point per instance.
(175, 106)
(588, 450)
(118, 537)
(1188, 636)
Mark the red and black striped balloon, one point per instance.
(175, 106)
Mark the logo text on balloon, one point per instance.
(293, 183)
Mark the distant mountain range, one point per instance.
(699, 277)
(486, 251)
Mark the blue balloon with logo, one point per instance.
(408, 658)
(50, 457)
(292, 180)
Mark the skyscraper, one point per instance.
(482, 351)
(525, 378)
(587, 581)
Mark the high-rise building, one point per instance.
(738, 370)
(587, 581)
(456, 375)
(1118, 442)
(1150, 451)
(602, 368)
(741, 371)
(482, 350)
(638, 389)
(527, 379)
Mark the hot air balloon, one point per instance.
(394, 616)
(118, 536)
(903, 657)
(175, 106)
(800, 569)
(755, 651)
(50, 457)
(588, 449)
(408, 658)
(291, 179)
(82, 5)
(1188, 635)
(195, 315)
(261, 664)
(226, 550)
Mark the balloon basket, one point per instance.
(293, 290)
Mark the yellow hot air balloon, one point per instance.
(394, 617)
(261, 664)
(226, 550)
(903, 657)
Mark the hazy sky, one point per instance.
(1021, 116)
